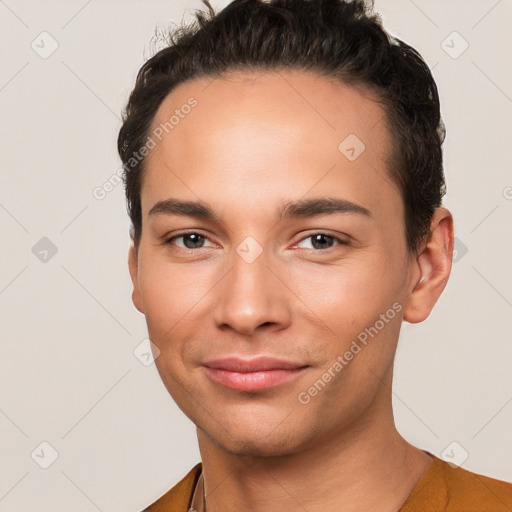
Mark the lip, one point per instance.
(256, 374)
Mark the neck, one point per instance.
(370, 468)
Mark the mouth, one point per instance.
(252, 375)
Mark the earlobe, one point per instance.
(134, 274)
(432, 267)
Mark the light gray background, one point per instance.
(68, 329)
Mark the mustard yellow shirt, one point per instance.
(441, 489)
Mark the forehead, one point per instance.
(269, 134)
(325, 103)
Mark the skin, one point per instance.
(254, 142)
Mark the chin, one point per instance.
(256, 441)
(256, 447)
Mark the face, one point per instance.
(297, 252)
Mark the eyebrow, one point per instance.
(301, 208)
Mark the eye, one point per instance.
(323, 241)
(193, 240)
(190, 240)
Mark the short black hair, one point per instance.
(339, 39)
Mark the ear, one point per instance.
(430, 268)
(134, 274)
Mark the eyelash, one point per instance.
(311, 235)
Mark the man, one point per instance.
(284, 180)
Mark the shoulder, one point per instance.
(178, 498)
(445, 488)
(475, 491)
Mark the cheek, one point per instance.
(349, 296)
(165, 305)
(175, 301)
(168, 293)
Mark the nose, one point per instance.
(252, 295)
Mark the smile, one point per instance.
(250, 376)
